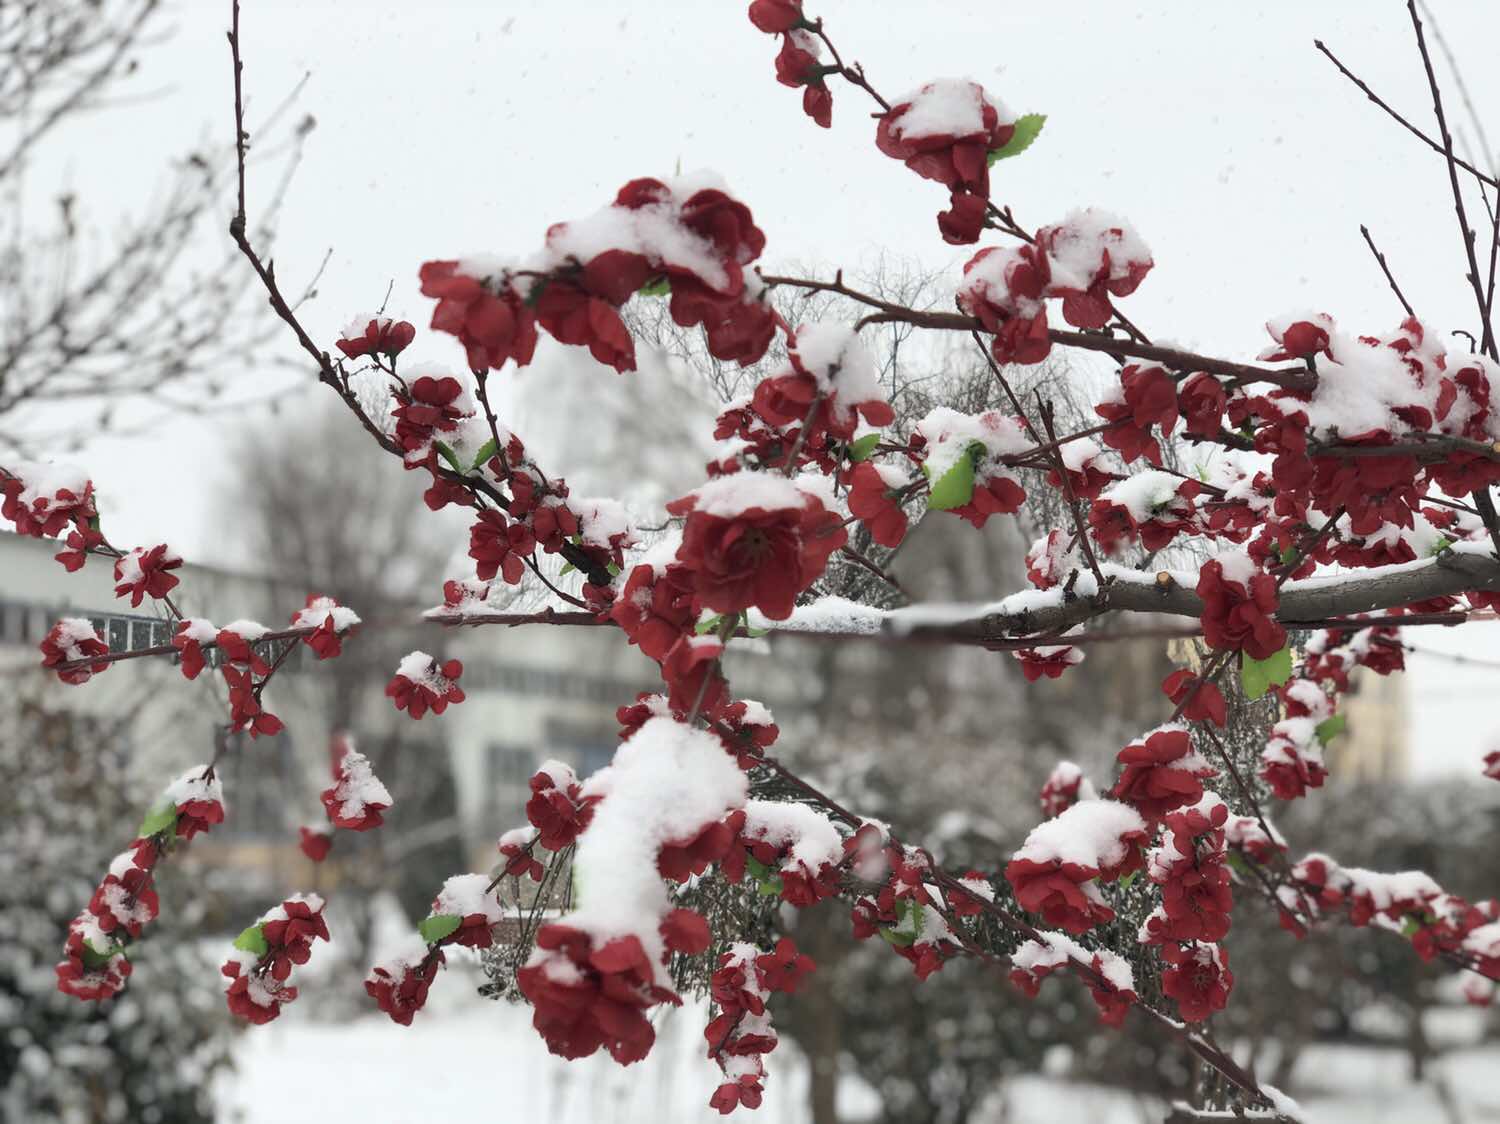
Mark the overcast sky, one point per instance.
(1235, 149)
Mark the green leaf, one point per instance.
(438, 926)
(1330, 728)
(1028, 128)
(1411, 926)
(161, 818)
(1287, 554)
(446, 452)
(1259, 676)
(658, 288)
(908, 925)
(1443, 543)
(1126, 880)
(1237, 863)
(486, 451)
(568, 568)
(861, 447)
(94, 959)
(252, 940)
(767, 881)
(708, 625)
(613, 568)
(956, 486)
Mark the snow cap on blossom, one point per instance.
(356, 799)
(755, 540)
(592, 976)
(400, 984)
(44, 499)
(1292, 761)
(146, 573)
(1091, 256)
(945, 131)
(1065, 786)
(198, 796)
(190, 636)
(329, 621)
(1298, 335)
(74, 638)
(967, 449)
(830, 365)
(422, 684)
(1003, 287)
(370, 333)
(465, 912)
(1035, 960)
(1053, 874)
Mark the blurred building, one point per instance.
(532, 694)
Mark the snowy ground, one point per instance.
(467, 1058)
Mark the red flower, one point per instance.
(357, 798)
(775, 16)
(189, 639)
(685, 931)
(1298, 338)
(1205, 702)
(730, 1095)
(74, 638)
(785, 968)
(492, 328)
(431, 405)
(1064, 787)
(257, 998)
(142, 573)
(245, 712)
(1051, 660)
(1161, 773)
(655, 609)
(42, 499)
(1202, 403)
(872, 499)
(1492, 765)
(575, 316)
(939, 142)
(755, 541)
(1238, 608)
(557, 808)
(680, 859)
(1062, 893)
(315, 842)
(376, 335)
(1199, 979)
(517, 846)
(587, 997)
(401, 988)
(500, 547)
(422, 684)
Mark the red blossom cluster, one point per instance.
(741, 1032)
(1056, 871)
(261, 963)
(1109, 978)
(422, 684)
(95, 965)
(1083, 261)
(1190, 866)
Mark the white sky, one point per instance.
(1239, 153)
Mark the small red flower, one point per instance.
(74, 638)
(144, 573)
(1238, 608)
(422, 684)
(493, 327)
(375, 335)
(1205, 702)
